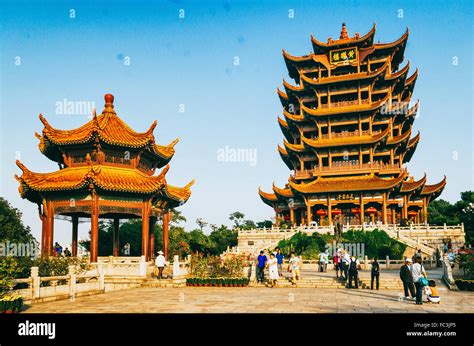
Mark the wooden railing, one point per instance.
(349, 167)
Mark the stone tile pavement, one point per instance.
(254, 300)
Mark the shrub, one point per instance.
(465, 285)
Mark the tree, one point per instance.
(201, 223)
(11, 227)
(221, 238)
(265, 224)
(442, 212)
(237, 217)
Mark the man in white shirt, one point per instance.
(346, 259)
(160, 263)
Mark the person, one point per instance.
(126, 249)
(346, 259)
(451, 257)
(336, 264)
(407, 279)
(59, 249)
(374, 274)
(354, 265)
(272, 265)
(417, 254)
(67, 253)
(418, 272)
(160, 263)
(323, 261)
(279, 256)
(294, 267)
(261, 263)
(432, 294)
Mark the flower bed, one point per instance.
(217, 282)
(465, 285)
(11, 304)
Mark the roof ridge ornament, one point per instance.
(109, 103)
(344, 35)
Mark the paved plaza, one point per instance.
(255, 300)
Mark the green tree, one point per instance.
(221, 238)
(11, 227)
(237, 217)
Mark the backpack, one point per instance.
(353, 266)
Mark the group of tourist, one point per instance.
(274, 263)
(58, 251)
(415, 281)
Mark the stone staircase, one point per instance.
(155, 283)
(333, 283)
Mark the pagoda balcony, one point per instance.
(344, 104)
(349, 168)
(348, 134)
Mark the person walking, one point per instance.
(374, 274)
(261, 263)
(323, 261)
(280, 257)
(407, 279)
(294, 265)
(160, 263)
(336, 262)
(346, 259)
(353, 268)
(273, 269)
(418, 272)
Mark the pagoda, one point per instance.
(347, 126)
(106, 170)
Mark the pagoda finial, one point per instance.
(344, 34)
(109, 102)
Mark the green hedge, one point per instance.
(217, 282)
(11, 303)
(465, 285)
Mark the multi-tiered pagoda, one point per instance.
(106, 170)
(348, 133)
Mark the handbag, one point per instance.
(423, 281)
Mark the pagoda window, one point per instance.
(145, 164)
(325, 162)
(118, 158)
(324, 73)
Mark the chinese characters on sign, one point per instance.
(345, 196)
(343, 55)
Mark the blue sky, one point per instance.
(47, 56)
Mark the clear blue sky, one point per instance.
(190, 61)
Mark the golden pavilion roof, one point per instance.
(110, 129)
(344, 39)
(411, 185)
(355, 183)
(109, 178)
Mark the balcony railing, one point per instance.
(344, 104)
(346, 167)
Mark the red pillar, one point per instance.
(50, 228)
(94, 227)
(116, 236)
(146, 230)
(152, 236)
(44, 234)
(166, 222)
(75, 226)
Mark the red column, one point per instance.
(116, 236)
(152, 236)
(166, 222)
(44, 234)
(145, 230)
(94, 227)
(75, 225)
(50, 228)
